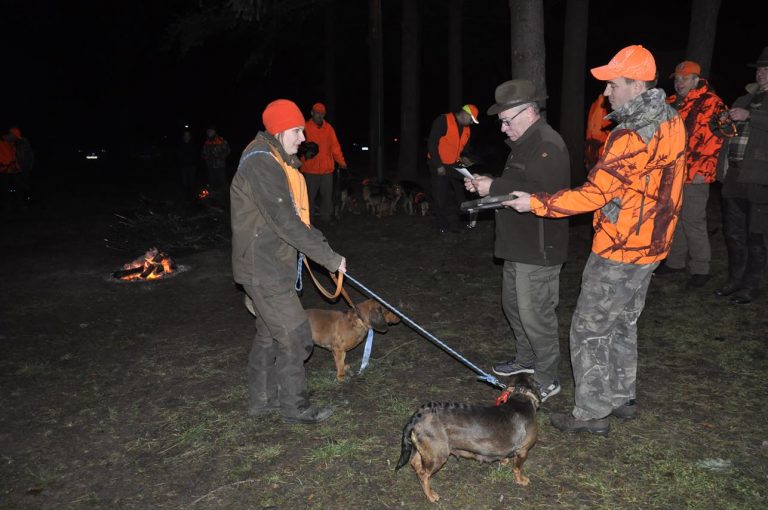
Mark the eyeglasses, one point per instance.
(508, 122)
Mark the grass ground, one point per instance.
(133, 395)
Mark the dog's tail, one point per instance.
(406, 450)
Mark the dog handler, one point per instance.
(270, 222)
(533, 249)
(636, 191)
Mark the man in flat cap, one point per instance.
(744, 171)
(533, 249)
(635, 190)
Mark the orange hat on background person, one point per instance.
(16, 132)
(318, 107)
(472, 111)
(685, 68)
(632, 62)
(281, 114)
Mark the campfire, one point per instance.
(152, 265)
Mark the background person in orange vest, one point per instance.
(318, 171)
(635, 191)
(214, 153)
(598, 128)
(447, 140)
(700, 108)
(10, 172)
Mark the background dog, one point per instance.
(502, 432)
(340, 332)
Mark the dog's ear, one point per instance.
(372, 315)
(390, 317)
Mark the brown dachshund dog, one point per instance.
(504, 432)
(340, 332)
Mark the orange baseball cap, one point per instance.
(472, 111)
(318, 107)
(633, 62)
(685, 68)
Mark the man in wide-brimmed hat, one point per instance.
(533, 249)
(744, 171)
(635, 191)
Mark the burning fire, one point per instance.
(150, 266)
(204, 193)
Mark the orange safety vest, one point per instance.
(8, 163)
(598, 128)
(452, 142)
(297, 186)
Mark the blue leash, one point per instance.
(484, 376)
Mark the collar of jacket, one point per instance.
(695, 93)
(538, 123)
(644, 113)
(275, 143)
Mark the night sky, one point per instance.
(87, 72)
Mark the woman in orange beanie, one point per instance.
(270, 225)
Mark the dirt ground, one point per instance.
(132, 395)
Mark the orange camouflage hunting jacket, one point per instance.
(636, 186)
(700, 109)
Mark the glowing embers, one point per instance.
(152, 265)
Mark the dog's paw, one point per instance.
(522, 480)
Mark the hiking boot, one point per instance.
(728, 289)
(512, 367)
(262, 410)
(665, 270)
(310, 415)
(698, 280)
(548, 391)
(627, 411)
(566, 422)
(744, 296)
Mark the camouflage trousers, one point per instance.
(604, 335)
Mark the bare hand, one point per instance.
(521, 204)
(343, 266)
(738, 114)
(469, 184)
(482, 184)
(441, 170)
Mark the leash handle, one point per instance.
(322, 290)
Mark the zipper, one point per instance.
(642, 204)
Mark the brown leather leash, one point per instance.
(339, 286)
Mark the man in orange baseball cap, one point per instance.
(700, 109)
(447, 140)
(635, 192)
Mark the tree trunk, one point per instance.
(701, 33)
(410, 93)
(329, 71)
(377, 89)
(572, 118)
(528, 52)
(455, 89)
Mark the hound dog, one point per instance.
(504, 432)
(340, 332)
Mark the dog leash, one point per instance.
(484, 376)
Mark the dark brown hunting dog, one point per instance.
(340, 332)
(502, 432)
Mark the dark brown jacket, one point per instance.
(266, 231)
(538, 161)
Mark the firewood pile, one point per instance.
(177, 232)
